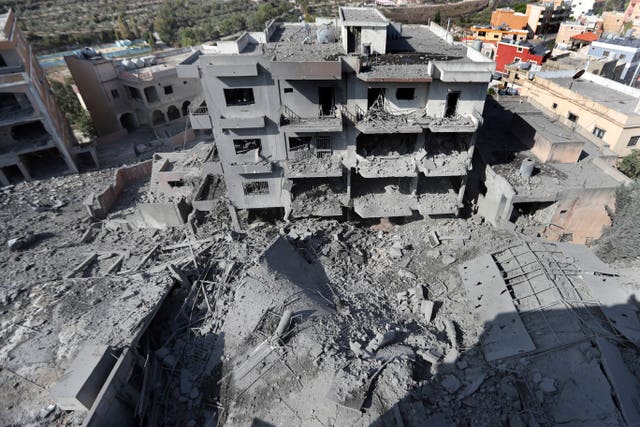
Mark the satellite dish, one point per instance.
(578, 75)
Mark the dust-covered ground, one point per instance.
(316, 322)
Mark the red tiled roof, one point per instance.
(585, 37)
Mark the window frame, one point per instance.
(246, 92)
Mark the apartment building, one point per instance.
(632, 13)
(122, 95)
(567, 30)
(625, 50)
(489, 34)
(612, 22)
(354, 114)
(583, 7)
(508, 17)
(521, 52)
(605, 112)
(545, 18)
(35, 138)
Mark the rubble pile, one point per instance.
(312, 165)
(313, 322)
(321, 199)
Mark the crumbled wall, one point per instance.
(100, 204)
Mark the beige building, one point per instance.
(35, 138)
(612, 22)
(605, 112)
(122, 95)
(545, 18)
(568, 30)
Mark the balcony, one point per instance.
(377, 198)
(241, 122)
(293, 122)
(318, 197)
(437, 196)
(15, 113)
(199, 114)
(387, 166)
(11, 70)
(308, 163)
(378, 119)
(446, 155)
(248, 168)
(12, 78)
(454, 123)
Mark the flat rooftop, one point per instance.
(165, 60)
(419, 38)
(550, 130)
(550, 178)
(299, 43)
(362, 15)
(627, 41)
(607, 95)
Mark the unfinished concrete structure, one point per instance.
(122, 95)
(355, 112)
(34, 134)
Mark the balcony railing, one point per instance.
(320, 122)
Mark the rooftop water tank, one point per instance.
(138, 62)
(527, 167)
(326, 34)
(150, 60)
(128, 64)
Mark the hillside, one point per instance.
(59, 24)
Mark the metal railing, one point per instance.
(198, 106)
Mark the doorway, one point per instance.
(327, 100)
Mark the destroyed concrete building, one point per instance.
(35, 137)
(540, 176)
(124, 94)
(354, 114)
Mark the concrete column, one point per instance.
(71, 164)
(23, 169)
(3, 178)
(234, 217)
(414, 185)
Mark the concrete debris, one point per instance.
(312, 321)
(451, 383)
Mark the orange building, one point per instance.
(510, 18)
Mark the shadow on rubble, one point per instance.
(566, 366)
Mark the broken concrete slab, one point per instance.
(625, 384)
(81, 383)
(505, 334)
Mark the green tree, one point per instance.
(165, 22)
(148, 37)
(123, 31)
(437, 19)
(520, 7)
(630, 165)
(187, 37)
(68, 102)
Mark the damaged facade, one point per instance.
(123, 95)
(547, 180)
(350, 114)
(35, 137)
